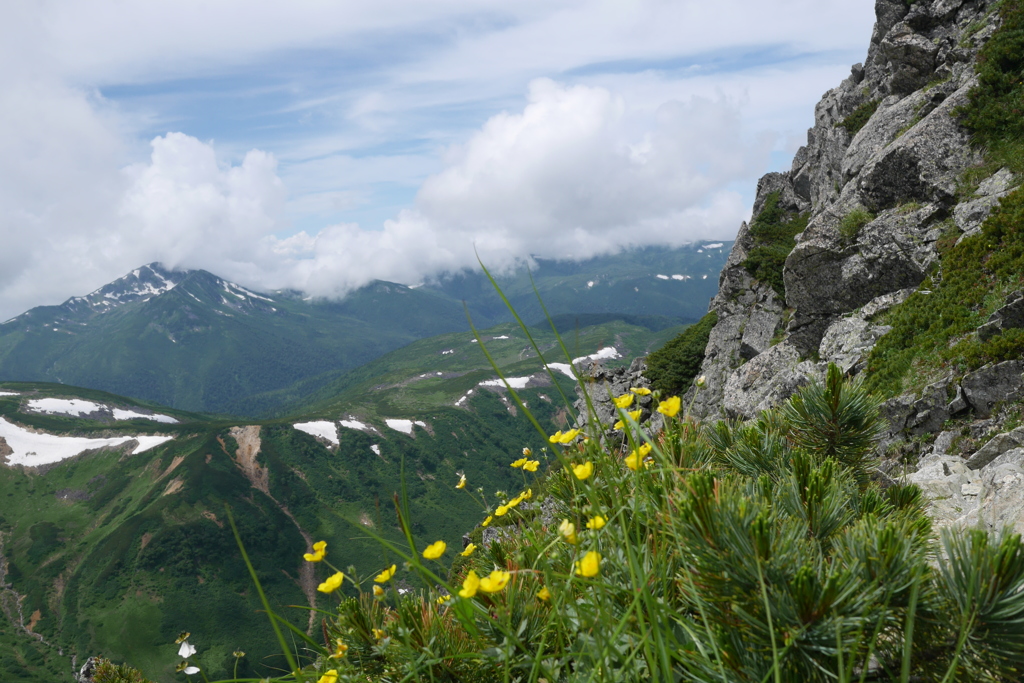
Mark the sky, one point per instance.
(321, 144)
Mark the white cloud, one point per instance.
(591, 163)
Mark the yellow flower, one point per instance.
(556, 437)
(633, 461)
(619, 424)
(340, 648)
(544, 594)
(596, 522)
(385, 575)
(331, 583)
(583, 471)
(470, 585)
(568, 530)
(377, 633)
(514, 502)
(329, 677)
(462, 482)
(527, 452)
(624, 401)
(319, 550)
(670, 406)
(501, 511)
(569, 436)
(527, 494)
(518, 463)
(378, 591)
(487, 521)
(641, 391)
(441, 599)
(635, 414)
(531, 465)
(435, 550)
(645, 449)
(495, 582)
(590, 565)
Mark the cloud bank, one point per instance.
(574, 174)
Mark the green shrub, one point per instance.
(995, 112)
(850, 225)
(108, 672)
(931, 330)
(859, 117)
(674, 366)
(773, 232)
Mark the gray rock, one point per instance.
(943, 442)
(923, 164)
(1001, 501)
(999, 182)
(848, 341)
(881, 304)
(603, 384)
(1010, 316)
(996, 446)
(766, 381)
(911, 58)
(969, 216)
(993, 384)
(959, 403)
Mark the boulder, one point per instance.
(993, 384)
(1010, 316)
(996, 446)
(848, 341)
(767, 380)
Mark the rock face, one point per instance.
(879, 195)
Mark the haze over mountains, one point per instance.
(194, 341)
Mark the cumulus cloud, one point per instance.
(577, 172)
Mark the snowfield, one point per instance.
(607, 353)
(9, 393)
(77, 407)
(322, 429)
(404, 426)
(66, 406)
(32, 449)
(120, 414)
(514, 382)
(356, 424)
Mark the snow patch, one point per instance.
(9, 393)
(33, 449)
(563, 368)
(704, 277)
(514, 382)
(681, 277)
(404, 426)
(716, 245)
(590, 283)
(355, 424)
(67, 406)
(375, 448)
(661, 277)
(320, 428)
(504, 336)
(445, 353)
(120, 414)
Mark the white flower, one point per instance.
(186, 650)
(191, 670)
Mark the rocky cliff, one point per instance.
(878, 184)
(889, 182)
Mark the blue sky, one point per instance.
(319, 145)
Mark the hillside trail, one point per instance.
(249, 444)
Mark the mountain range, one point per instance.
(194, 341)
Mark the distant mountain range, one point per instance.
(194, 341)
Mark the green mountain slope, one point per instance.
(115, 552)
(196, 342)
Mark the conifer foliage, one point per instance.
(709, 552)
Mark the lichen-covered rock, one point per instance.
(603, 384)
(996, 446)
(768, 379)
(848, 341)
(1008, 317)
(993, 384)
